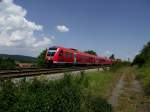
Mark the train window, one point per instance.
(53, 48)
(67, 55)
(102, 60)
(61, 53)
(50, 53)
(70, 55)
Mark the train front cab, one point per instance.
(61, 56)
(51, 56)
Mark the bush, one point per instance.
(7, 96)
(146, 85)
(119, 65)
(143, 57)
(57, 96)
(41, 59)
(65, 95)
(7, 63)
(97, 104)
(143, 62)
(144, 77)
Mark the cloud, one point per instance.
(107, 52)
(16, 30)
(62, 28)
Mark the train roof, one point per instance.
(55, 47)
(73, 49)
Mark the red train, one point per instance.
(60, 56)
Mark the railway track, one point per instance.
(18, 73)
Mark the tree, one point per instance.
(7, 63)
(112, 57)
(144, 56)
(91, 52)
(41, 59)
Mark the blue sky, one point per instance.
(121, 27)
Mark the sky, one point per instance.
(121, 27)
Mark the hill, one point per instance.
(20, 58)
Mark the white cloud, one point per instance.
(16, 30)
(62, 28)
(107, 52)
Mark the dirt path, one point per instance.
(116, 92)
(128, 95)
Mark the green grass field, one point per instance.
(101, 83)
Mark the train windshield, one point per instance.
(51, 52)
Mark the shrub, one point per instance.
(143, 62)
(7, 95)
(146, 85)
(119, 65)
(7, 63)
(143, 57)
(41, 59)
(144, 77)
(65, 95)
(97, 104)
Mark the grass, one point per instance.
(143, 74)
(102, 83)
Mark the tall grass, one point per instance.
(102, 83)
(144, 76)
(65, 95)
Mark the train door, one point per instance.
(61, 56)
(75, 58)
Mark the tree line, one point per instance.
(143, 57)
(143, 71)
(7, 63)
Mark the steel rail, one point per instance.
(27, 70)
(18, 74)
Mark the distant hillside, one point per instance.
(20, 58)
